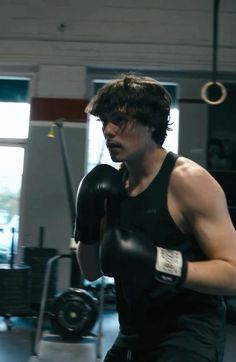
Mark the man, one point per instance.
(160, 226)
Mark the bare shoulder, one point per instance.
(190, 174)
(193, 184)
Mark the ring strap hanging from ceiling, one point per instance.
(214, 86)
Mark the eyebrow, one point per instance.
(115, 117)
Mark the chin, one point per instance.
(116, 158)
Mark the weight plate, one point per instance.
(74, 313)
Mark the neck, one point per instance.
(143, 170)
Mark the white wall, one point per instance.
(163, 35)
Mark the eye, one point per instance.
(119, 119)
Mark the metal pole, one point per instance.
(43, 300)
(215, 39)
(68, 177)
(100, 321)
(75, 274)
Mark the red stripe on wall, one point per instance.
(50, 109)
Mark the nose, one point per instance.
(109, 129)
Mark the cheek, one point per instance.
(137, 143)
(142, 137)
(137, 136)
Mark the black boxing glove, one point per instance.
(129, 255)
(99, 193)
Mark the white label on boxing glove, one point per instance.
(169, 261)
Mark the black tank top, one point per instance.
(148, 213)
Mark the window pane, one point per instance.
(14, 89)
(14, 120)
(171, 142)
(11, 170)
(97, 150)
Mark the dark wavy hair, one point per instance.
(143, 98)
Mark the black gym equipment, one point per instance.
(36, 258)
(75, 312)
(15, 286)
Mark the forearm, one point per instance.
(212, 277)
(88, 258)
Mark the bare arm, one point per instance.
(88, 257)
(204, 206)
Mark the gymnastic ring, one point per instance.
(222, 89)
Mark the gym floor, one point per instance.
(16, 344)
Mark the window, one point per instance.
(15, 120)
(14, 125)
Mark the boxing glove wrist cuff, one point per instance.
(170, 267)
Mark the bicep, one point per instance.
(212, 225)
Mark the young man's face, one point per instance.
(126, 138)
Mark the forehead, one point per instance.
(116, 116)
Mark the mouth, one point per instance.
(113, 146)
